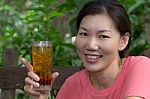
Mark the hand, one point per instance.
(30, 83)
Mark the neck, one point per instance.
(101, 80)
(104, 79)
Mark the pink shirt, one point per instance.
(133, 80)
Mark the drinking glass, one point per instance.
(42, 55)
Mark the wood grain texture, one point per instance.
(12, 77)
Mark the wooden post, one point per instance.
(11, 76)
(10, 60)
(147, 25)
(147, 28)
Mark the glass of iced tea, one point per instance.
(42, 55)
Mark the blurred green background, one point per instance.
(24, 21)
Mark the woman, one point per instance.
(103, 38)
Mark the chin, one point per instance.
(92, 68)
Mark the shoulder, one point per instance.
(138, 65)
(139, 58)
(138, 61)
(136, 82)
(72, 85)
(78, 81)
(78, 76)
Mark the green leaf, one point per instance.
(55, 14)
(3, 38)
(136, 6)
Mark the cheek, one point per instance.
(110, 47)
(77, 44)
(80, 46)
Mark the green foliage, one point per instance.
(35, 20)
(138, 10)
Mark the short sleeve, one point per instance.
(137, 82)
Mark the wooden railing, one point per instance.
(12, 76)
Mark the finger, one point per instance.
(33, 76)
(28, 65)
(29, 90)
(29, 81)
(54, 76)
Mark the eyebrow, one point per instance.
(83, 28)
(99, 31)
(104, 30)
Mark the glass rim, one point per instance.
(42, 43)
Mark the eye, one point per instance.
(103, 36)
(83, 34)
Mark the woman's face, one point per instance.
(98, 42)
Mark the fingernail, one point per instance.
(57, 73)
(37, 78)
(37, 85)
(22, 59)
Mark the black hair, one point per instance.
(114, 9)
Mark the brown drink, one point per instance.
(42, 62)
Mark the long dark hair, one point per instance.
(115, 11)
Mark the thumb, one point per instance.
(54, 76)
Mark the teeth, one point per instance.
(92, 57)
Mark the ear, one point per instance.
(124, 41)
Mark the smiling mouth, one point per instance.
(93, 58)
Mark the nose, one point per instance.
(92, 45)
